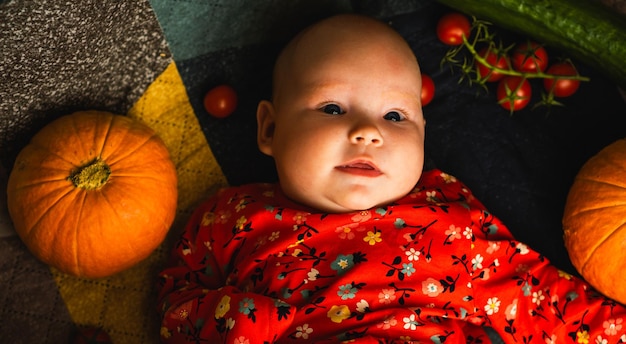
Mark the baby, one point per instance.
(356, 243)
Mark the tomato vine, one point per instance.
(481, 58)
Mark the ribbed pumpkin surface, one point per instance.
(93, 193)
(594, 221)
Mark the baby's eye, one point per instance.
(393, 116)
(332, 109)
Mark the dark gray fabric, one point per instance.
(59, 56)
(31, 308)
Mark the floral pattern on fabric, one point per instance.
(433, 267)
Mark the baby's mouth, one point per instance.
(361, 168)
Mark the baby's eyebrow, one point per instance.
(408, 96)
(325, 89)
(324, 85)
(330, 87)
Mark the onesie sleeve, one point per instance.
(524, 298)
(197, 305)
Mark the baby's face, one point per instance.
(346, 127)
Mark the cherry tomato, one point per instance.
(513, 93)
(91, 335)
(220, 101)
(451, 28)
(495, 59)
(561, 87)
(529, 57)
(428, 89)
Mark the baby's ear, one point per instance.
(265, 126)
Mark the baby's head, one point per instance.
(345, 124)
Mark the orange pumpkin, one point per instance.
(93, 193)
(594, 221)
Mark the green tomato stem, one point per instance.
(512, 72)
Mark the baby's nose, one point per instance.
(366, 134)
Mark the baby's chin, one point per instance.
(355, 205)
(346, 199)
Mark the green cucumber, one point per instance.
(586, 29)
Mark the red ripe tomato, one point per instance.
(513, 93)
(494, 59)
(561, 87)
(529, 57)
(428, 89)
(220, 101)
(91, 335)
(452, 27)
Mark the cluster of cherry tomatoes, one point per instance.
(511, 67)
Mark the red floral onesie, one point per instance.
(433, 267)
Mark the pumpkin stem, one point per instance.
(91, 176)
